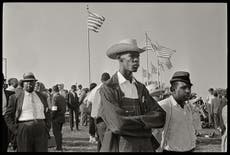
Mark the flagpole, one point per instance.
(158, 72)
(88, 47)
(147, 59)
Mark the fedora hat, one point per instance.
(28, 77)
(127, 45)
(181, 76)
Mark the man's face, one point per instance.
(29, 86)
(80, 87)
(61, 86)
(182, 91)
(130, 61)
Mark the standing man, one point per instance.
(178, 134)
(95, 99)
(5, 100)
(28, 117)
(79, 90)
(215, 104)
(73, 105)
(58, 116)
(127, 109)
(209, 106)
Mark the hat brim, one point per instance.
(27, 80)
(118, 49)
(178, 79)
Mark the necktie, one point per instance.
(34, 106)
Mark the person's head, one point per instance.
(105, 77)
(215, 94)
(127, 52)
(50, 90)
(29, 81)
(92, 85)
(55, 89)
(211, 91)
(13, 82)
(73, 88)
(61, 86)
(79, 86)
(181, 86)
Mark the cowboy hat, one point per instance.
(127, 45)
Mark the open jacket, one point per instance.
(14, 110)
(119, 124)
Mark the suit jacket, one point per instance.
(118, 124)
(14, 110)
(8, 94)
(73, 102)
(59, 101)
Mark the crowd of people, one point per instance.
(120, 113)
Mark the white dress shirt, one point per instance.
(129, 89)
(28, 112)
(95, 99)
(4, 102)
(180, 133)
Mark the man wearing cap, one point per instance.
(5, 100)
(28, 117)
(127, 109)
(58, 116)
(178, 134)
(73, 106)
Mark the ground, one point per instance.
(78, 141)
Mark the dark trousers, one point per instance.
(72, 113)
(32, 136)
(100, 130)
(57, 131)
(4, 139)
(92, 127)
(216, 120)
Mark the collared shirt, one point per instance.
(95, 98)
(4, 102)
(10, 88)
(180, 134)
(209, 99)
(129, 89)
(28, 110)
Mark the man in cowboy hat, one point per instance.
(178, 134)
(28, 117)
(127, 109)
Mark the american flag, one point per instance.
(95, 21)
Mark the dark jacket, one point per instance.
(14, 110)
(59, 101)
(73, 102)
(119, 124)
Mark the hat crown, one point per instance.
(181, 76)
(129, 41)
(28, 75)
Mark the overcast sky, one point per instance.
(50, 40)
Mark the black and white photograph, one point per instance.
(114, 77)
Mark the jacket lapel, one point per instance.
(19, 104)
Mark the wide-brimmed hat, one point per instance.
(181, 76)
(127, 45)
(28, 77)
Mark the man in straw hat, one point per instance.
(178, 134)
(127, 109)
(28, 117)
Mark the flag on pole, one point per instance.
(164, 52)
(153, 69)
(166, 62)
(150, 45)
(95, 21)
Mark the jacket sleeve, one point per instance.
(10, 114)
(115, 118)
(155, 115)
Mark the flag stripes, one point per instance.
(95, 21)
